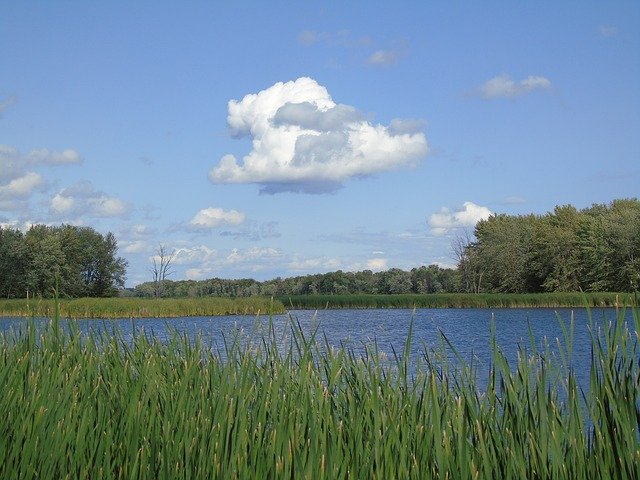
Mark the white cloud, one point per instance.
(215, 217)
(18, 181)
(21, 186)
(377, 264)
(82, 199)
(314, 264)
(253, 254)
(201, 261)
(47, 157)
(304, 142)
(198, 273)
(104, 206)
(198, 254)
(14, 164)
(503, 86)
(19, 225)
(61, 204)
(467, 216)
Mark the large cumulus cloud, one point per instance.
(303, 141)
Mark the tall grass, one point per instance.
(102, 406)
(456, 300)
(140, 307)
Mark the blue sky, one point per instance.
(265, 139)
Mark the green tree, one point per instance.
(555, 259)
(46, 260)
(13, 263)
(623, 232)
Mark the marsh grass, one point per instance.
(77, 308)
(457, 300)
(103, 406)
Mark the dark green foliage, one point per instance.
(77, 261)
(431, 279)
(595, 249)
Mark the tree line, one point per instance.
(567, 250)
(594, 249)
(431, 279)
(75, 261)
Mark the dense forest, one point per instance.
(77, 261)
(595, 249)
(567, 250)
(431, 279)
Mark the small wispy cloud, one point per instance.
(254, 232)
(384, 57)
(339, 38)
(514, 200)
(503, 86)
(6, 103)
(607, 30)
(212, 217)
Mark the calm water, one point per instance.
(469, 330)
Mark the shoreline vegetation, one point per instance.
(118, 307)
(461, 300)
(115, 307)
(106, 406)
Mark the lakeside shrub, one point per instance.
(105, 406)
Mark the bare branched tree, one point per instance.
(462, 248)
(161, 267)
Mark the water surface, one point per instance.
(469, 330)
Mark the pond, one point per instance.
(468, 330)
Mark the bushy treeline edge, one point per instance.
(567, 250)
(74, 261)
(105, 406)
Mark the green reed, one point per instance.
(101, 406)
(456, 300)
(139, 307)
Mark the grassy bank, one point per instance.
(459, 300)
(140, 307)
(103, 407)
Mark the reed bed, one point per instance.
(77, 308)
(104, 406)
(458, 300)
